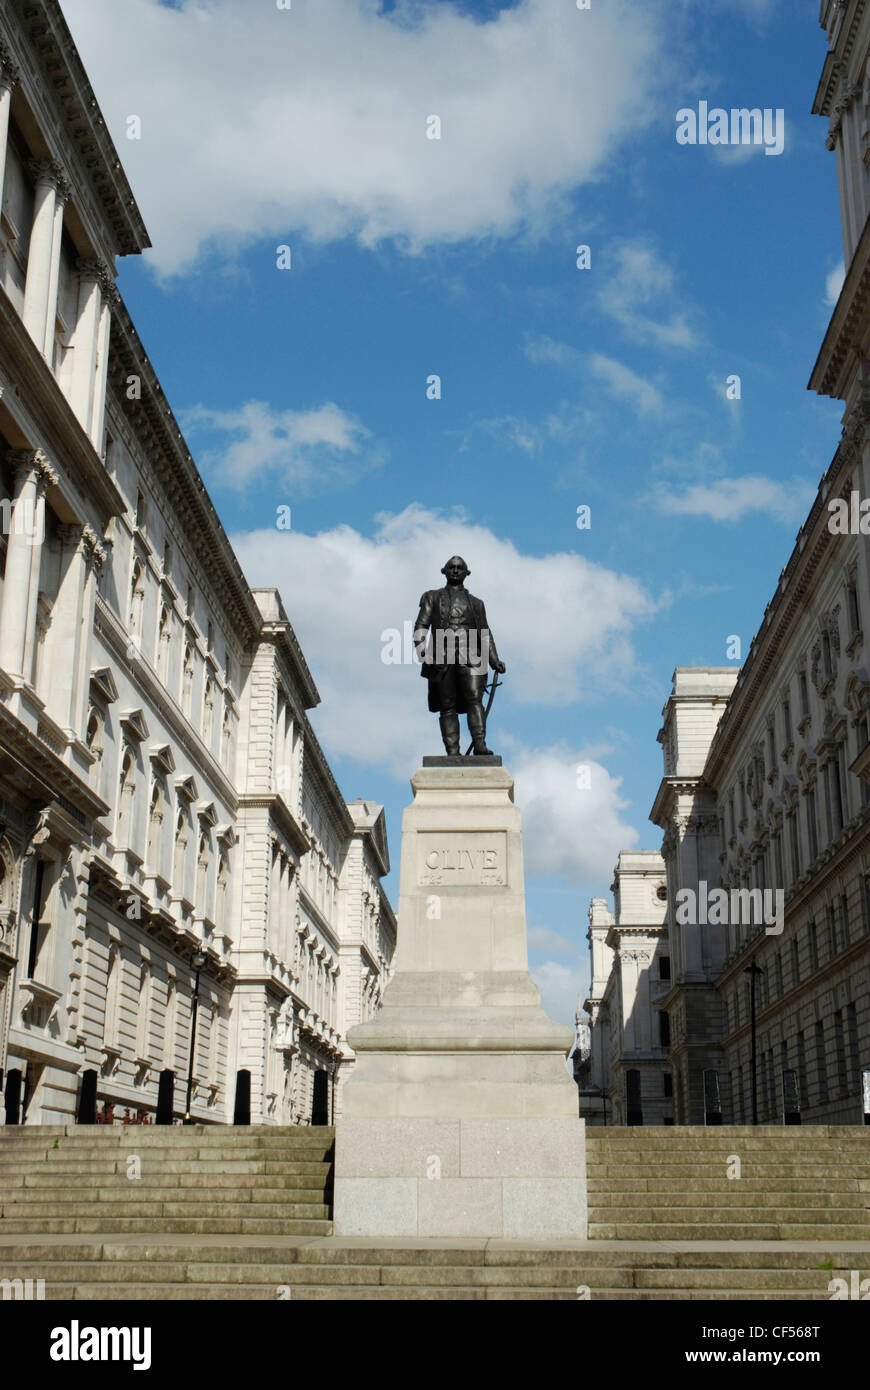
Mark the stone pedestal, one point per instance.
(460, 1117)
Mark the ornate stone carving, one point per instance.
(48, 172)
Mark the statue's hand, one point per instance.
(500, 667)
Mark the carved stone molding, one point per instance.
(93, 268)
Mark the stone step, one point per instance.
(701, 1182)
(143, 1194)
(690, 1215)
(157, 1225)
(190, 1165)
(166, 1211)
(167, 1133)
(727, 1198)
(238, 1182)
(751, 1230)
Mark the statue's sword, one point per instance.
(492, 688)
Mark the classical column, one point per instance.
(46, 477)
(21, 581)
(9, 79)
(90, 341)
(49, 181)
(109, 296)
(72, 620)
(62, 192)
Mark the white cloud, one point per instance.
(626, 385)
(304, 448)
(560, 986)
(834, 282)
(621, 381)
(264, 123)
(543, 939)
(731, 499)
(639, 294)
(569, 830)
(563, 625)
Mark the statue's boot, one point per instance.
(477, 729)
(450, 733)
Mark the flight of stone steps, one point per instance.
(277, 1269)
(229, 1214)
(804, 1183)
(207, 1180)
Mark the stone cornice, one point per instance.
(66, 787)
(64, 83)
(837, 60)
(846, 339)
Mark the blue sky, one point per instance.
(560, 387)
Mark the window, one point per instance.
(137, 599)
(170, 1020)
(125, 799)
(854, 1051)
(821, 1062)
(664, 967)
(202, 861)
(167, 558)
(812, 824)
(667, 1084)
(786, 717)
(664, 1029)
(164, 637)
(140, 511)
(852, 607)
(840, 1046)
(111, 1017)
(804, 694)
(794, 845)
(223, 876)
(155, 826)
(227, 737)
(208, 711)
(180, 861)
(814, 946)
(143, 1014)
(802, 1068)
(832, 929)
(187, 680)
(777, 972)
(795, 963)
(826, 655)
(95, 740)
(844, 919)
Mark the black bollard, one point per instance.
(242, 1112)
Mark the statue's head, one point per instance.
(456, 570)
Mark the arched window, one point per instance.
(95, 740)
(208, 711)
(202, 860)
(125, 798)
(164, 637)
(220, 906)
(137, 599)
(227, 737)
(180, 860)
(155, 826)
(187, 680)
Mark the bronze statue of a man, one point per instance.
(452, 630)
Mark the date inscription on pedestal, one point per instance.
(462, 859)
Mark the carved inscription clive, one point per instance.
(462, 859)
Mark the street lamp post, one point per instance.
(197, 961)
(753, 971)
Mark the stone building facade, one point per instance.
(161, 789)
(766, 770)
(626, 1078)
